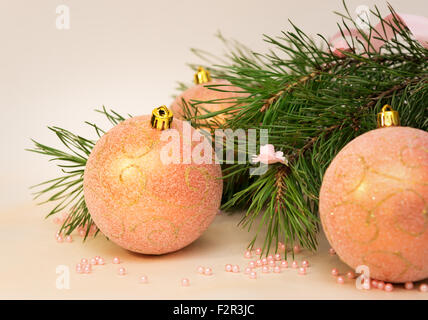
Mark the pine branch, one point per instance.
(67, 190)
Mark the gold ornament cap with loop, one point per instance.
(202, 76)
(161, 118)
(387, 117)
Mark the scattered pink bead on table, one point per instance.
(200, 269)
(144, 279)
(82, 232)
(84, 261)
(284, 264)
(235, 269)
(270, 257)
(248, 254)
(93, 261)
(259, 263)
(253, 275)
(296, 249)
(389, 287)
(59, 239)
(381, 285)
(277, 269)
(265, 269)
(228, 268)
(87, 269)
(334, 272)
(305, 263)
(258, 251)
(374, 283)
(101, 261)
(185, 282)
(208, 271)
(248, 270)
(264, 261)
(272, 263)
(350, 275)
(277, 257)
(121, 271)
(340, 280)
(69, 239)
(294, 265)
(79, 268)
(423, 287)
(252, 264)
(116, 260)
(409, 285)
(302, 271)
(331, 251)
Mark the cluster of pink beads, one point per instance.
(207, 271)
(60, 238)
(268, 264)
(85, 265)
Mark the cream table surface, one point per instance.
(30, 256)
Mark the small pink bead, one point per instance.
(259, 263)
(259, 251)
(350, 275)
(201, 270)
(144, 279)
(93, 261)
(265, 269)
(381, 285)
(331, 251)
(121, 271)
(272, 263)
(277, 269)
(235, 269)
(97, 258)
(116, 260)
(284, 264)
(277, 257)
(264, 261)
(409, 285)
(294, 265)
(340, 280)
(100, 261)
(248, 270)
(374, 283)
(248, 254)
(253, 275)
(87, 268)
(389, 287)
(208, 271)
(423, 287)
(185, 282)
(82, 232)
(270, 257)
(59, 239)
(305, 263)
(79, 268)
(84, 261)
(296, 248)
(252, 264)
(69, 239)
(228, 268)
(302, 271)
(334, 272)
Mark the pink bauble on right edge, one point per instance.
(374, 203)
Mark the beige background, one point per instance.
(128, 55)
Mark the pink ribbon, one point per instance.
(417, 25)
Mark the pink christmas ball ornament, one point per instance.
(373, 204)
(142, 203)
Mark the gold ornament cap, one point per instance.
(202, 76)
(161, 118)
(387, 117)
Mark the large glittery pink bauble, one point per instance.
(143, 203)
(374, 203)
(201, 92)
